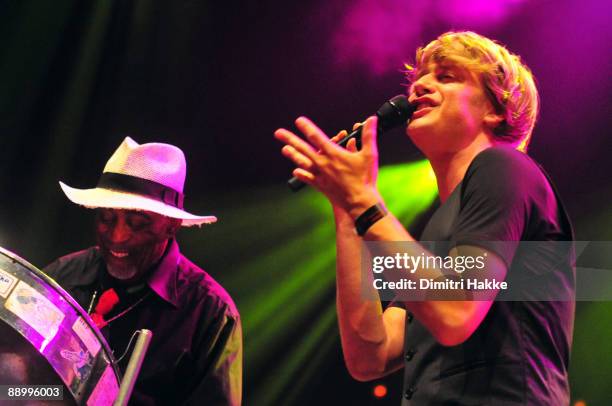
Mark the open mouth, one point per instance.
(424, 105)
(118, 254)
(421, 110)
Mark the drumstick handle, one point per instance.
(133, 367)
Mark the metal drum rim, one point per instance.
(72, 302)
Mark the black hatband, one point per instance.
(140, 186)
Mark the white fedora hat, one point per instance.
(141, 177)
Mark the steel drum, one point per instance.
(46, 338)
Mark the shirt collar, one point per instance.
(163, 279)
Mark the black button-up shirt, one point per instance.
(195, 355)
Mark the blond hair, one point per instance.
(508, 83)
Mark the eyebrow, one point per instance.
(447, 65)
(421, 72)
(433, 67)
(444, 66)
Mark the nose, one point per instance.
(120, 232)
(420, 87)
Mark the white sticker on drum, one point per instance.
(106, 389)
(35, 309)
(7, 281)
(82, 329)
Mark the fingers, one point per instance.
(305, 155)
(304, 175)
(298, 144)
(368, 135)
(351, 146)
(339, 136)
(356, 126)
(314, 134)
(299, 159)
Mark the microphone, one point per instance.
(395, 112)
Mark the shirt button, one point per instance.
(410, 317)
(409, 392)
(410, 354)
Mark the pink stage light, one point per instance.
(380, 35)
(476, 14)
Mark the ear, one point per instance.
(492, 120)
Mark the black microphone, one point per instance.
(395, 112)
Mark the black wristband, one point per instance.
(369, 217)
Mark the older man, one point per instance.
(136, 277)
(476, 106)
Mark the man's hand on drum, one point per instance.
(347, 177)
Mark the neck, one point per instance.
(450, 167)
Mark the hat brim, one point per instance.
(114, 199)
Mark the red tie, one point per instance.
(108, 300)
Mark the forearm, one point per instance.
(450, 321)
(360, 315)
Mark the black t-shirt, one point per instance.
(519, 354)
